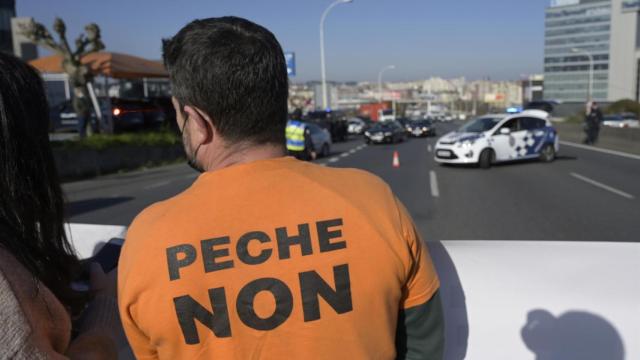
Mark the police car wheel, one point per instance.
(487, 157)
(548, 153)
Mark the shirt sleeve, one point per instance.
(421, 281)
(420, 332)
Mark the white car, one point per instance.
(501, 137)
(626, 120)
(356, 126)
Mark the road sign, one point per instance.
(290, 58)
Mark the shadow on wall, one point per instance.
(453, 303)
(573, 335)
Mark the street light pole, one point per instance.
(591, 68)
(322, 62)
(389, 67)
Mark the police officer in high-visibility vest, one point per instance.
(299, 142)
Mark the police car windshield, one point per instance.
(480, 124)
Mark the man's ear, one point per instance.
(202, 129)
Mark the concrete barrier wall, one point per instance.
(506, 300)
(625, 140)
(83, 163)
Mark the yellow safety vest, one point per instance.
(295, 136)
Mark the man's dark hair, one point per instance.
(234, 71)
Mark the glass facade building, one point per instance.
(585, 25)
(609, 30)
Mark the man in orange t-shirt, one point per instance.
(265, 256)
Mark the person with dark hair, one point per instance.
(266, 256)
(37, 263)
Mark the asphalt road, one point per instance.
(585, 195)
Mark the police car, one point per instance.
(500, 137)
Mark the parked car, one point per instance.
(420, 128)
(126, 115)
(404, 122)
(321, 139)
(544, 105)
(166, 106)
(497, 138)
(385, 132)
(356, 126)
(626, 120)
(335, 122)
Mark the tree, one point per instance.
(624, 106)
(79, 74)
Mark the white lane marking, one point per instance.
(602, 186)
(429, 148)
(434, 184)
(345, 154)
(157, 185)
(606, 151)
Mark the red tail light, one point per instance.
(116, 112)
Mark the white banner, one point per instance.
(518, 299)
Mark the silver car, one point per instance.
(626, 120)
(321, 139)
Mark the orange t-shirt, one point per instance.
(275, 259)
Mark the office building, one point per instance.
(592, 39)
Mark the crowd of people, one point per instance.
(264, 256)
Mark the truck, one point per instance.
(373, 111)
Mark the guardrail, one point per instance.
(626, 140)
(83, 163)
(517, 299)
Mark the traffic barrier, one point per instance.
(396, 160)
(517, 299)
(625, 140)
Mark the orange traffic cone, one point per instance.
(396, 160)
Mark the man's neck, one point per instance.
(242, 155)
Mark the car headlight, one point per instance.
(425, 128)
(409, 128)
(367, 133)
(387, 134)
(467, 143)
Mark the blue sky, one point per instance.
(501, 39)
